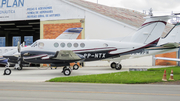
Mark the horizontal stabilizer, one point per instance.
(71, 33)
(171, 45)
(166, 46)
(171, 59)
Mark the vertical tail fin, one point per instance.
(172, 37)
(151, 30)
(71, 33)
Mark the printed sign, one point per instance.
(38, 9)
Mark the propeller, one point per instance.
(18, 47)
(19, 53)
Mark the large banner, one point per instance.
(38, 9)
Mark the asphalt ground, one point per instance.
(48, 91)
(34, 74)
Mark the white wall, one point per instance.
(97, 27)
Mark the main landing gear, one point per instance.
(117, 66)
(66, 70)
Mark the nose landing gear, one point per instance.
(7, 71)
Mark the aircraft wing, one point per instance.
(66, 55)
(3, 60)
(171, 59)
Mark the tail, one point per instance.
(172, 37)
(151, 30)
(71, 33)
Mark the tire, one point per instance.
(7, 71)
(118, 67)
(64, 68)
(75, 67)
(113, 65)
(67, 72)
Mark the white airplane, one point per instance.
(71, 33)
(62, 52)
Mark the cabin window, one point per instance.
(41, 45)
(56, 45)
(62, 44)
(69, 45)
(82, 45)
(75, 45)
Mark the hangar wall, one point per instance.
(99, 27)
(52, 29)
(166, 62)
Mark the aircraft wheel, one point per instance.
(75, 67)
(118, 67)
(67, 72)
(113, 65)
(7, 71)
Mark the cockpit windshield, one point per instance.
(34, 44)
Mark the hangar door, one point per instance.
(26, 31)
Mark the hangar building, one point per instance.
(29, 20)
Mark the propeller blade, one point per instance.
(23, 44)
(18, 47)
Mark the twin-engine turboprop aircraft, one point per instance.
(62, 52)
(12, 58)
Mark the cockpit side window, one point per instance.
(34, 44)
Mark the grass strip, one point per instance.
(133, 77)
